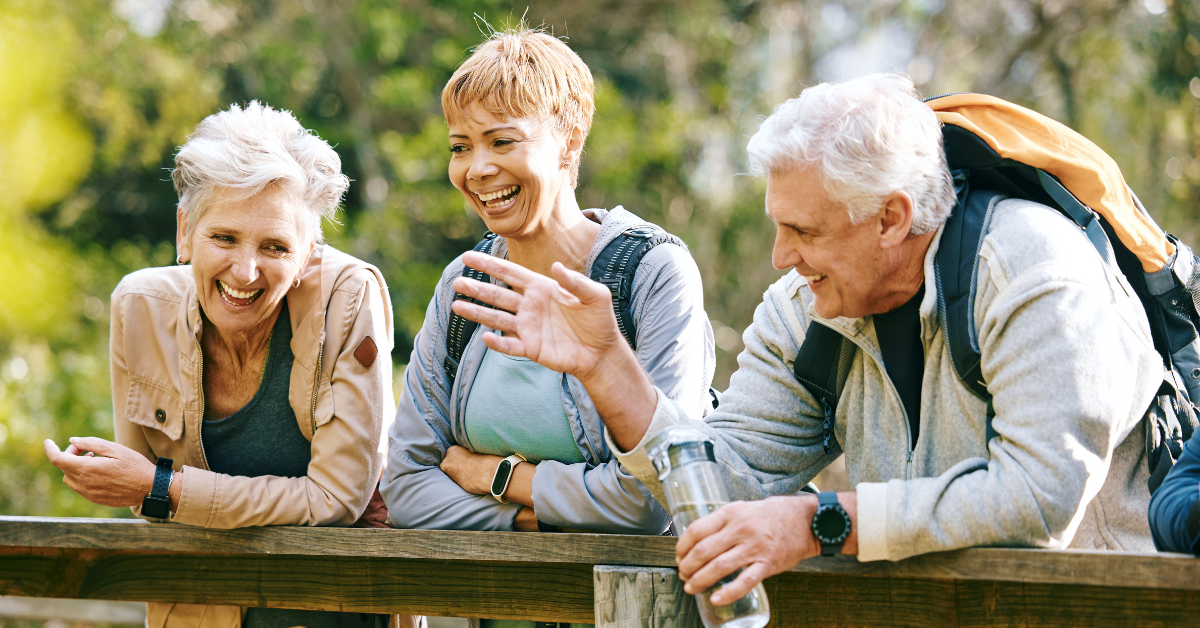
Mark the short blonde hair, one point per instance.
(242, 151)
(525, 72)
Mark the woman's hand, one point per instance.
(102, 471)
(566, 325)
(376, 514)
(470, 471)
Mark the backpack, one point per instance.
(614, 267)
(998, 150)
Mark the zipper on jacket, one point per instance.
(827, 426)
(200, 383)
(317, 382)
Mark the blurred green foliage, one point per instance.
(95, 95)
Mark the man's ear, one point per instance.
(182, 246)
(895, 220)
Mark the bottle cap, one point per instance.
(677, 446)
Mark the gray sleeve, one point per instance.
(1071, 370)
(675, 347)
(768, 429)
(417, 492)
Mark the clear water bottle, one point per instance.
(692, 482)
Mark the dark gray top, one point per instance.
(262, 438)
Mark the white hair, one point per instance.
(870, 136)
(239, 152)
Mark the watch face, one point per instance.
(156, 507)
(831, 524)
(500, 480)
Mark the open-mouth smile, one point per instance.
(500, 198)
(237, 298)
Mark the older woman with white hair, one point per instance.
(250, 388)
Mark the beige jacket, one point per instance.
(340, 392)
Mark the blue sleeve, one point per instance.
(675, 347)
(418, 494)
(1172, 503)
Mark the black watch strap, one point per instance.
(157, 505)
(827, 501)
(162, 477)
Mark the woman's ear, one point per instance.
(183, 249)
(573, 146)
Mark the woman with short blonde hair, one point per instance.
(519, 111)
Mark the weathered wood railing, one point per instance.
(613, 581)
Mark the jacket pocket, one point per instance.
(156, 406)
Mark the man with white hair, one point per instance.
(859, 190)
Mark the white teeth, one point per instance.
(812, 278)
(237, 294)
(495, 195)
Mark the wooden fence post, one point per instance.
(637, 597)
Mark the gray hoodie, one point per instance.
(1068, 359)
(674, 345)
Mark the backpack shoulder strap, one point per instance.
(459, 330)
(616, 265)
(821, 366)
(956, 268)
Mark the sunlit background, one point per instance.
(95, 96)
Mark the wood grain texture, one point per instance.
(555, 592)
(827, 601)
(1127, 569)
(517, 547)
(639, 597)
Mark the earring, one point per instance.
(296, 284)
(179, 260)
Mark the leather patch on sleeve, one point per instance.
(366, 352)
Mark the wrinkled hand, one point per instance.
(376, 514)
(765, 537)
(470, 471)
(102, 471)
(565, 325)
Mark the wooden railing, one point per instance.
(612, 581)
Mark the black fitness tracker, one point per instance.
(503, 475)
(157, 505)
(830, 524)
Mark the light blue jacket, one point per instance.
(674, 345)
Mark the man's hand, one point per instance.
(102, 471)
(763, 537)
(567, 325)
(472, 472)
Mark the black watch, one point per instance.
(830, 524)
(157, 505)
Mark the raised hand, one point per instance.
(565, 325)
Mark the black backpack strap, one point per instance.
(956, 267)
(616, 265)
(459, 331)
(821, 366)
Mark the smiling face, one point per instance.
(245, 254)
(513, 171)
(848, 266)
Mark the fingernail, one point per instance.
(73, 439)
